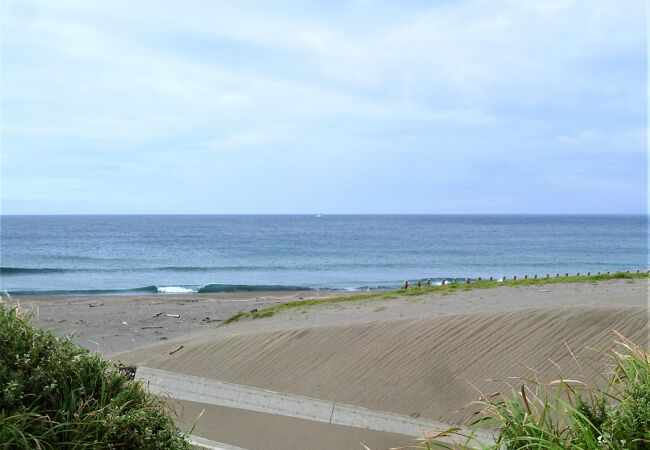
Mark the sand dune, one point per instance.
(409, 356)
(419, 367)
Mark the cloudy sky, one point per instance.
(324, 107)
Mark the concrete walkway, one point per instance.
(207, 444)
(213, 392)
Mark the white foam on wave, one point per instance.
(174, 290)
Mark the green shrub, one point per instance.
(568, 414)
(56, 395)
(631, 420)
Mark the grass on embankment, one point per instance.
(56, 395)
(569, 414)
(415, 290)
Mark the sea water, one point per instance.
(52, 255)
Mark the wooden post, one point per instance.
(566, 274)
(548, 276)
(419, 283)
(578, 274)
(557, 275)
(428, 281)
(637, 271)
(535, 276)
(468, 280)
(490, 278)
(406, 285)
(443, 282)
(588, 274)
(598, 273)
(479, 279)
(525, 277)
(455, 280)
(608, 272)
(514, 278)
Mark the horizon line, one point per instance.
(336, 214)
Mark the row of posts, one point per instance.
(514, 278)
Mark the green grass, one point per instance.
(56, 395)
(569, 414)
(415, 291)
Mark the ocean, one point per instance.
(57, 255)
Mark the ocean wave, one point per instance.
(277, 268)
(175, 290)
(33, 270)
(74, 292)
(185, 289)
(208, 288)
(215, 288)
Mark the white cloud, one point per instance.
(480, 78)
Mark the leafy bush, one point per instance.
(56, 395)
(568, 414)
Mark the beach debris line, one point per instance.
(180, 347)
(208, 320)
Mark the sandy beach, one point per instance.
(116, 323)
(422, 357)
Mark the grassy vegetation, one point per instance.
(443, 289)
(56, 395)
(568, 414)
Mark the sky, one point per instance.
(469, 106)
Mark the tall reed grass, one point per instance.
(570, 414)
